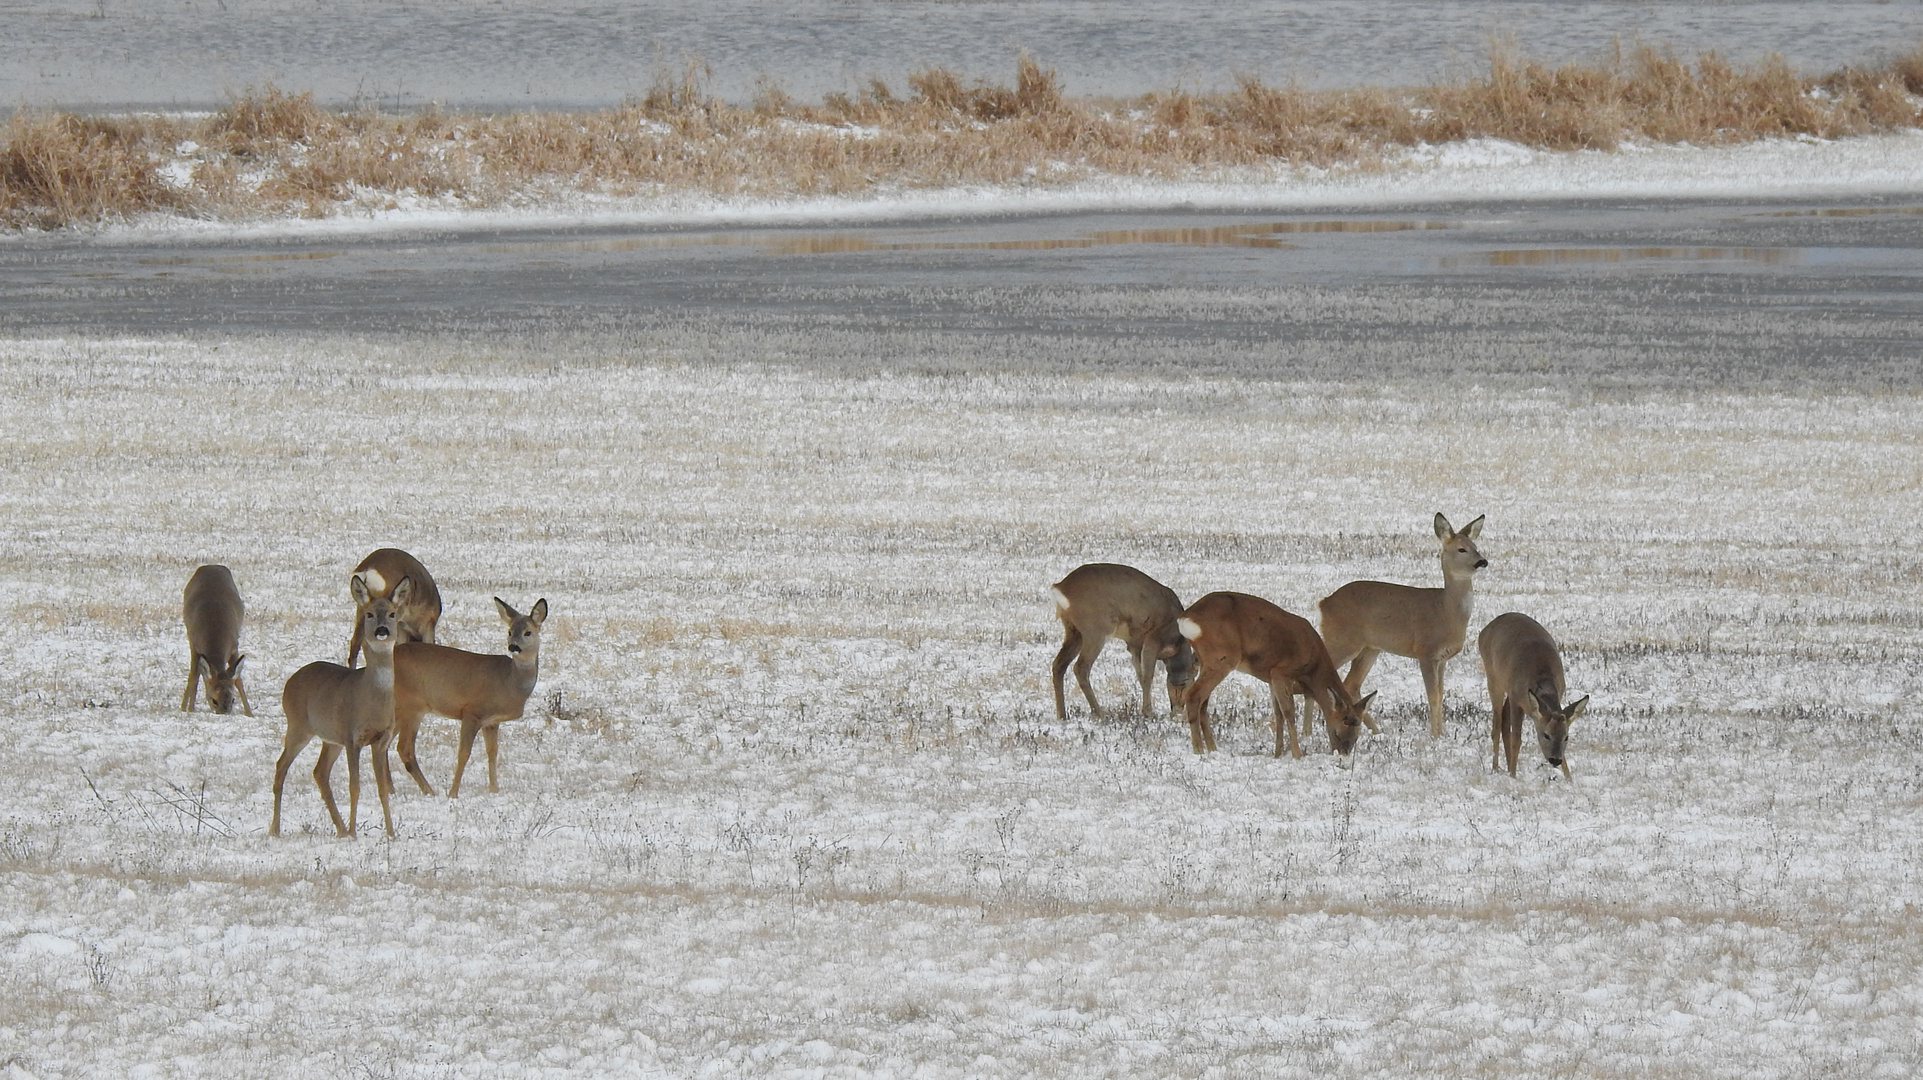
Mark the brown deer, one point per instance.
(347, 708)
(1099, 601)
(481, 691)
(382, 570)
(210, 606)
(1525, 676)
(1237, 632)
(1365, 618)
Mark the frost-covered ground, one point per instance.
(792, 799)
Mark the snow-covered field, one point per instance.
(792, 799)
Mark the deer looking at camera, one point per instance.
(211, 608)
(1525, 677)
(1237, 632)
(347, 708)
(1099, 601)
(1365, 618)
(382, 571)
(479, 690)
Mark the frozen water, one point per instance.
(520, 53)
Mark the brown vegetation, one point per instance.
(275, 153)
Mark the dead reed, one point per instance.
(272, 153)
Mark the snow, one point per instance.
(1475, 171)
(791, 798)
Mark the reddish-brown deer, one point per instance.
(210, 606)
(1099, 601)
(1365, 618)
(347, 708)
(1525, 677)
(1237, 632)
(479, 690)
(382, 570)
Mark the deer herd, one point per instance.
(407, 676)
(1230, 631)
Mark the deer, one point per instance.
(210, 606)
(1525, 676)
(1365, 618)
(383, 570)
(481, 691)
(1233, 631)
(347, 708)
(1098, 601)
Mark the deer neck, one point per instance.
(1458, 596)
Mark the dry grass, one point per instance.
(273, 153)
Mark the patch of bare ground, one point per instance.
(272, 153)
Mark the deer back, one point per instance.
(458, 684)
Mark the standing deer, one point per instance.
(383, 570)
(479, 690)
(1237, 632)
(347, 708)
(1103, 600)
(1365, 618)
(210, 606)
(1525, 676)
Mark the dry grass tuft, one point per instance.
(273, 153)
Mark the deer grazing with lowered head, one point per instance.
(1525, 677)
(1233, 631)
(479, 690)
(1365, 618)
(347, 708)
(382, 571)
(1099, 601)
(210, 606)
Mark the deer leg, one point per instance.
(1512, 718)
(1071, 644)
(491, 739)
(468, 728)
(1143, 658)
(1358, 671)
(193, 683)
(353, 783)
(1091, 648)
(1432, 682)
(322, 770)
(241, 688)
(1282, 693)
(1197, 709)
(289, 750)
(384, 777)
(409, 728)
(354, 642)
(1495, 730)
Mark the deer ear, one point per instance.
(206, 666)
(234, 664)
(1363, 705)
(1576, 709)
(504, 610)
(357, 585)
(1474, 528)
(403, 593)
(1443, 531)
(540, 612)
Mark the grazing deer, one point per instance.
(479, 690)
(1364, 618)
(210, 606)
(1238, 632)
(1103, 600)
(383, 570)
(1525, 676)
(347, 708)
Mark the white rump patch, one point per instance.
(375, 582)
(1189, 628)
(1061, 598)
